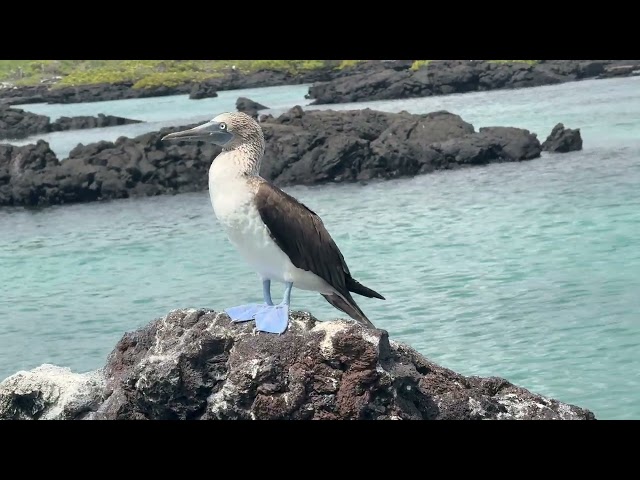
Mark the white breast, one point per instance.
(232, 201)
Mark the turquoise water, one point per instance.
(528, 271)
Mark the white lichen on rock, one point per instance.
(330, 329)
(53, 393)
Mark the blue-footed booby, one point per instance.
(279, 237)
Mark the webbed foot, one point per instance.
(273, 319)
(244, 313)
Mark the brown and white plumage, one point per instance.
(281, 238)
(301, 234)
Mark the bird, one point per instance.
(278, 236)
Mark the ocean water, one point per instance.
(529, 271)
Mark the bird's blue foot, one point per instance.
(269, 317)
(244, 313)
(273, 319)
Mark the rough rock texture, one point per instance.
(50, 393)
(16, 123)
(202, 90)
(23, 95)
(195, 364)
(562, 140)
(248, 106)
(83, 122)
(326, 146)
(442, 77)
(626, 70)
(302, 148)
(85, 93)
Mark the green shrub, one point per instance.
(348, 64)
(142, 73)
(418, 64)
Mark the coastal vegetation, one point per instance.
(143, 73)
(418, 64)
(157, 73)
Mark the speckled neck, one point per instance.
(246, 157)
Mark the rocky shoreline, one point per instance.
(303, 148)
(16, 123)
(368, 80)
(194, 364)
(124, 90)
(442, 77)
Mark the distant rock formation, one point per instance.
(442, 77)
(249, 107)
(203, 90)
(196, 365)
(85, 122)
(98, 92)
(124, 90)
(368, 80)
(562, 140)
(16, 123)
(306, 148)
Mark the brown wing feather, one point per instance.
(300, 233)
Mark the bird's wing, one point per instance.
(300, 233)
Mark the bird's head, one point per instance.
(228, 130)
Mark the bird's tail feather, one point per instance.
(348, 306)
(356, 287)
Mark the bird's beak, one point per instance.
(209, 131)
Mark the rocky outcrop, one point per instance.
(195, 364)
(562, 140)
(23, 95)
(50, 393)
(231, 80)
(87, 93)
(306, 148)
(248, 106)
(441, 77)
(614, 71)
(202, 90)
(16, 123)
(84, 122)
(326, 146)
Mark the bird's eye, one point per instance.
(223, 126)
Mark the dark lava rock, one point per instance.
(625, 69)
(23, 95)
(202, 90)
(16, 123)
(197, 365)
(83, 122)
(562, 140)
(248, 106)
(306, 148)
(441, 77)
(109, 91)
